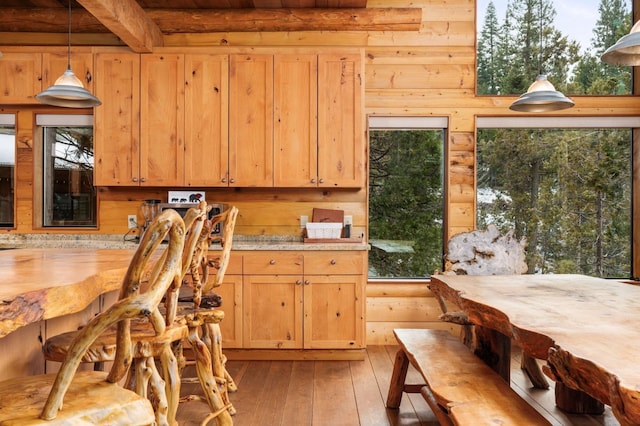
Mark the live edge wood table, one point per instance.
(587, 329)
(43, 283)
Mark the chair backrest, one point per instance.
(485, 253)
(201, 262)
(196, 230)
(136, 301)
(220, 263)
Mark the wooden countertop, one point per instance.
(42, 283)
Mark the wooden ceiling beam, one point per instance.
(127, 20)
(307, 19)
(142, 29)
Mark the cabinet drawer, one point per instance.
(272, 263)
(334, 263)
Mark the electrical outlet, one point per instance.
(348, 220)
(132, 221)
(303, 221)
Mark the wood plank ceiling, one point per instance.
(141, 24)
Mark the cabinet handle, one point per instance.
(333, 261)
(135, 179)
(298, 282)
(307, 282)
(313, 180)
(224, 180)
(321, 180)
(272, 262)
(232, 180)
(143, 179)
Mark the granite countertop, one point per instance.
(240, 242)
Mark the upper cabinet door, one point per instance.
(20, 77)
(117, 120)
(162, 120)
(295, 120)
(206, 120)
(251, 120)
(341, 139)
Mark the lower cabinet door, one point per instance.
(273, 312)
(333, 313)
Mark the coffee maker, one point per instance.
(150, 209)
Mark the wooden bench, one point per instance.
(459, 387)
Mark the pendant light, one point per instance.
(626, 51)
(68, 90)
(541, 96)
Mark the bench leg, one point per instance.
(437, 409)
(398, 377)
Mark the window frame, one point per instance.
(438, 123)
(54, 120)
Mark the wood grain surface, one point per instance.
(39, 284)
(584, 327)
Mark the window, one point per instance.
(68, 194)
(519, 39)
(7, 168)
(406, 207)
(565, 184)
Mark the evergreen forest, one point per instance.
(567, 191)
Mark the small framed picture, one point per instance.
(185, 197)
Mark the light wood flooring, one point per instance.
(346, 393)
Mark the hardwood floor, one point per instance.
(345, 393)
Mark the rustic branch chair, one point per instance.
(95, 397)
(146, 343)
(487, 253)
(203, 321)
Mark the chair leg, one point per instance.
(207, 379)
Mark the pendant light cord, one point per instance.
(69, 39)
(541, 42)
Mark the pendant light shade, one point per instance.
(68, 91)
(626, 51)
(541, 96)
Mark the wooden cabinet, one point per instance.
(342, 146)
(334, 300)
(20, 77)
(117, 120)
(313, 300)
(292, 120)
(251, 120)
(319, 136)
(231, 293)
(162, 120)
(295, 120)
(273, 300)
(206, 120)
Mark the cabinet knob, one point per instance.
(224, 180)
(333, 261)
(135, 179)
(307, 282)
(232, 180)
(298, 282)
(143, 179)
(321, 180)
(272, 262)
(313, 180)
